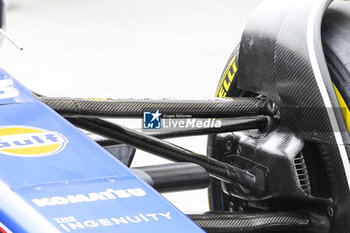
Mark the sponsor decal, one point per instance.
(344, 108)
(24, 141)
(4, 229)
(227, 78)
(71, 223)
(108, 194)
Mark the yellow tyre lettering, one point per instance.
(227, 78)
(344, 108)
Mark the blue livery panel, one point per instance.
(53, 178)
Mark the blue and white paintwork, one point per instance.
(81, 188)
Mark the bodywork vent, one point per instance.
(302, 173)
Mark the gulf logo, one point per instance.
(24, 141)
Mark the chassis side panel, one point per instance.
(281, 57)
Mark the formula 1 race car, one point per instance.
(278, 142)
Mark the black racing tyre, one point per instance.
(336, 46)
(227, 86)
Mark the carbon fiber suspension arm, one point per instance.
(217, 169)
(70, 107)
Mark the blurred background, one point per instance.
(126, 49)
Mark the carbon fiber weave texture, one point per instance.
(275, 61)
(135, 108)
(252, 222)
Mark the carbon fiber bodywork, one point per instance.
(256, 222)
(281, 57)
(275, 61)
